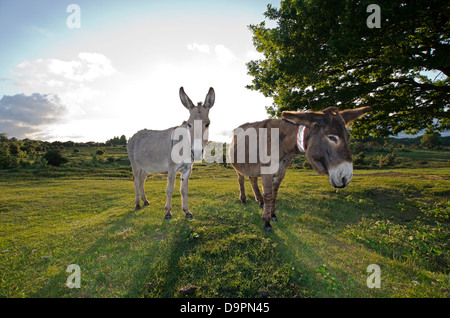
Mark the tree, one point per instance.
(323, 53)
(123, 140)
(430, 140)
(117, 141)
(7, 161)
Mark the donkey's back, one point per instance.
(149, 150)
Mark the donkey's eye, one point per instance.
(207, 125)
(333, 138)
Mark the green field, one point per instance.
(83, 213)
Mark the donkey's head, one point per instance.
(327, 142)
(198, 121)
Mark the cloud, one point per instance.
(39, 30)
(76, 81)
(23, 116)
(203, 48)
(223, 54)
(88, 67)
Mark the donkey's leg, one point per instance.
(256, 192)
(241, 180)
(276, 182)
(143, 175)
(266, 181)
(184, 191)
(136, 175)
(171, 176)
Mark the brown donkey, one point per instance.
(321, 135)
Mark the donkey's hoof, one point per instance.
(267, 227)
(189, 215)
(138, 207)
(274, 219)
(146, 203)
(261, 205)
(244, 202)
(168, 216)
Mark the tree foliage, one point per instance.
(117, 141)
(431, 140)
(322, 53)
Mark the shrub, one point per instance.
(100, 151)
(55, 158)
(359, 159)
(306, 164)
(389, 160)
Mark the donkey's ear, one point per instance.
(210, 98)
(350, 115)
(185, 99)
(298, 118)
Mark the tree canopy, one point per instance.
(323, 53)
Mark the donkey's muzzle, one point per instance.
(341, 175)
(197, 155)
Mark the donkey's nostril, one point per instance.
(344, 181)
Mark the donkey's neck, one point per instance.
(289, 142)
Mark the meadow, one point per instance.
(394, 215)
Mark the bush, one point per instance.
(100, 151)
(55, 158)
(389, 160)
(306, 165)
(359, 159)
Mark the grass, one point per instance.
(321, 246)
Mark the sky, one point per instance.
(119, 67)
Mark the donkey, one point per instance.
(157, 151)
(321, 135)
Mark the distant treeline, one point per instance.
(414, 141)
(429, 141)
(444, 141)
(16, 153)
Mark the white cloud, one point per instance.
(88, 67)
(203, 48)
(38, 30)
(75, 81)
(223, 54)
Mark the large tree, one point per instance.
(323, 53)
